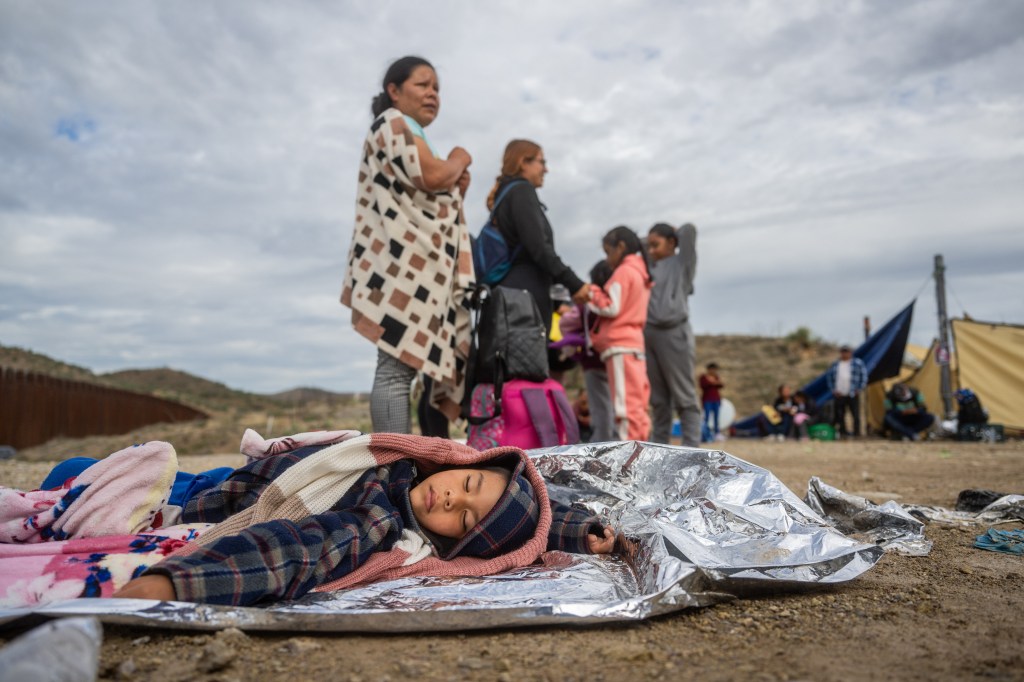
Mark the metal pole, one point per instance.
(865, 402)
(942, 354)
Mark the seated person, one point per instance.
(296, 520)
(905, 412)
(777, 422)
(806, 414)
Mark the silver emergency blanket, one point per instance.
(704, 527)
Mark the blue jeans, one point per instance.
(185, 485)
(711, 410)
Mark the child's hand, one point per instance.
(601, 545)
(154, 586)
(583, 295)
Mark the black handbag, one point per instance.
(510, 339)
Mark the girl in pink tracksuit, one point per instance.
(619, 337)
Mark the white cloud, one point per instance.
(178, 179)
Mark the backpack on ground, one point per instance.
(525, 414)
(491, 256)
(969, 409)
(509, 341)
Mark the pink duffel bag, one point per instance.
(529, 415)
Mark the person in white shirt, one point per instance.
(847, 378)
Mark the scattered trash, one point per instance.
(1006, 509)
(888, 525)
(66, 649)
(976, 500)
(1009, 541)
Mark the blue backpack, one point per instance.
(491, 257)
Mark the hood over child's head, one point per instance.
(480, 512)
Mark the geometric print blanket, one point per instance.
(409, 263)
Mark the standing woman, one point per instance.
(520, 219)
(409, 264)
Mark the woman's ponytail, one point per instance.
(492, 195)
(380, 103)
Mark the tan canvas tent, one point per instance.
(928, 380)
(991, 363)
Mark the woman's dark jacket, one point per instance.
(521, 221)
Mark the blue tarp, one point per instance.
(882, 353)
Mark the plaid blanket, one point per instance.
(332, 517)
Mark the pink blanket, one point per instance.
(119, 495)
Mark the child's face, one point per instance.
(614, 254)
(659, 247)
(451, 502)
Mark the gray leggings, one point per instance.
(389, 401)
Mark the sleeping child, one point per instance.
(369, 508)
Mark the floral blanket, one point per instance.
(43, 572)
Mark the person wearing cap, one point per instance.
(561, 303)
(906, 413)
(847, 378)
(374, 507)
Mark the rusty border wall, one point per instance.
(35, 408)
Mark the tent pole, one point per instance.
(942, 353)
(865, 406)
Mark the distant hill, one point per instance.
(753, 367)
(183, 387)
(305, 395)
(29, 361)
(171, 384)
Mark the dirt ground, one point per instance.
(953, 615)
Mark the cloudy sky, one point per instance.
(177, 179)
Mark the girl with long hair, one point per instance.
(619, 337)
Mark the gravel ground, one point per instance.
(953, 615)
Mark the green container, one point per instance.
(821, 432)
